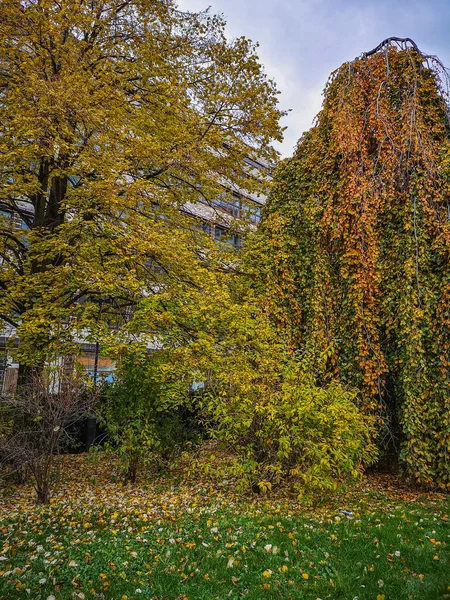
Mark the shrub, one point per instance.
(257, 398)
(314, 437)
(35, 423)
(144, 416)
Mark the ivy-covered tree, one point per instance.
(357, 233)
(114, 115)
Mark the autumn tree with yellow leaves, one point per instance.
(114, 115)
(357, 249)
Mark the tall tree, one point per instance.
(358, 238)
(114, 114)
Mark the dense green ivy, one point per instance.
(356, 247)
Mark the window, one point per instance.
(225, 236)
(252, 212)
(99, 368)
(230, 203)
(255, 214)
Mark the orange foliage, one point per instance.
(357, 239)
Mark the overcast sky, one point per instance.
(302, 41)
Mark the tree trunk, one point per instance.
(27, 374)
(43, 494)
(131, 474)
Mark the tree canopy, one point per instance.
(357, 239)
(115, 115)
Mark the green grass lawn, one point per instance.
(196, 540)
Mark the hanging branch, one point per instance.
(432, 62)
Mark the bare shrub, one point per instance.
(36, 423)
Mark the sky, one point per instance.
(303, 41)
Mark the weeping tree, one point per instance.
(358, 239)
